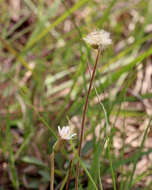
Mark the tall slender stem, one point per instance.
(84, 114)
(52, 172)
(69, 175)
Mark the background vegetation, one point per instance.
(43, 82)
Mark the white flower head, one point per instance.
(98, 38)
(66, 133)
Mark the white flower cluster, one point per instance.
(66, 133)
(98, 38)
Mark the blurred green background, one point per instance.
(44, 78)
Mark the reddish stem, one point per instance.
(83, 117)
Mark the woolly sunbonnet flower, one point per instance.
(66, 133)
(98, 38)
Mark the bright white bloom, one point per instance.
(98, 38)
(66, 133)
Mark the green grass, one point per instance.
(35, 100)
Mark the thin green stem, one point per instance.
(84, 115)
(111, 165)
(52, 172)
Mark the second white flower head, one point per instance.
(66, 133)
(98, 38)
